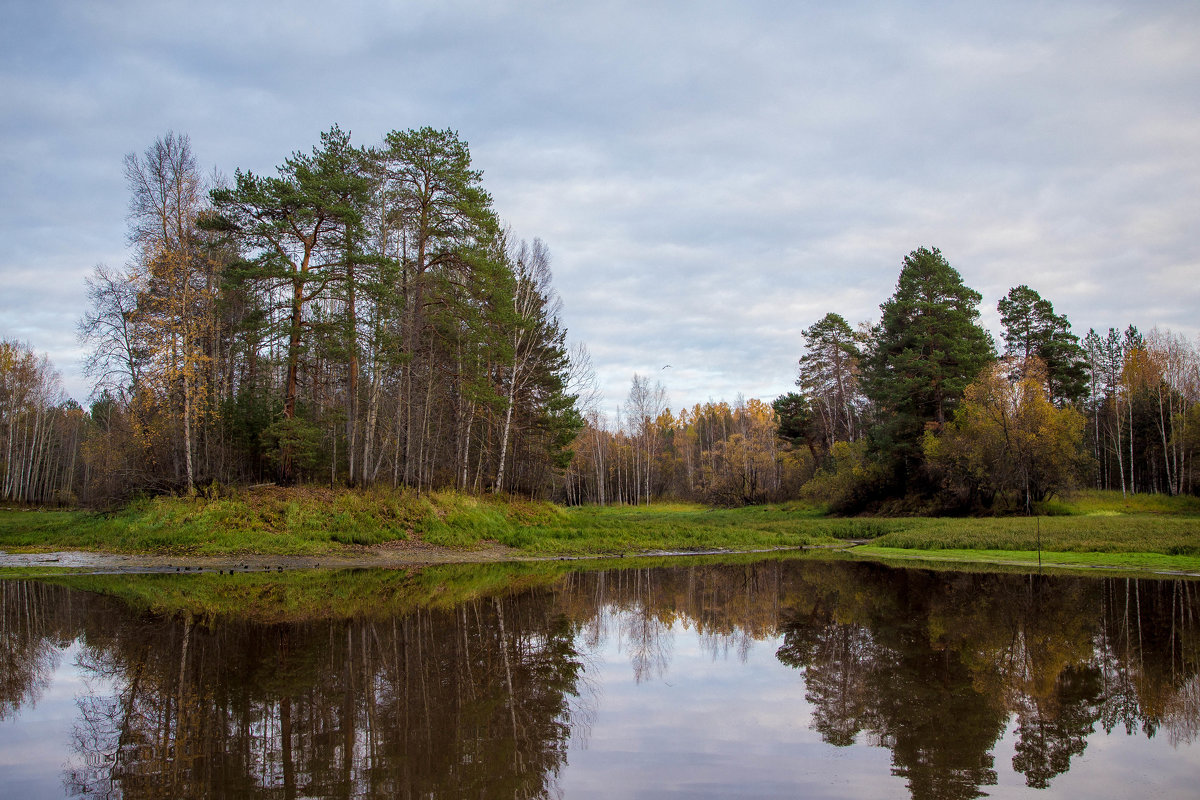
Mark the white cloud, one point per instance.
(710, 179)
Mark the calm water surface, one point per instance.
(778, 678)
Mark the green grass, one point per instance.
(1173, 536)
(272, 521)
(684, 527)
(1147, 562)
(1093, 503)
(311, 521)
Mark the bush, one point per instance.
(849, 479)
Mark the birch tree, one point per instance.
(166, 199)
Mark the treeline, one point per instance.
(360, 317)
(41, 431)
(921, 411)
(920, 408)
(714, 453)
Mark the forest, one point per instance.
(362, 317)
(922, 411)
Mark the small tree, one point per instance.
(1007, 438)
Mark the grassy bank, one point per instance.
(1145, 532)
(1096, 529)
(309, 521)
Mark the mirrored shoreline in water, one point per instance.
(778, 677)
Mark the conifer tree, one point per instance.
(1033, 330)
(928, 348)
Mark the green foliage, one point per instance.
(247, 416)
(795, 417)
(849, 479)
(293, 441)
(1033, 330)
(928, 348)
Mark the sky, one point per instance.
(710, 178)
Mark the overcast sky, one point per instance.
(710, 178)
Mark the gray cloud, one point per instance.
(711, 179)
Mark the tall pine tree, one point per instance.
(928, 348)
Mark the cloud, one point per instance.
(710, 179)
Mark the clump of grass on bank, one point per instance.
(1095, 503)
(1172, 536)
(274, 521)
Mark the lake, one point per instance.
(778, 677)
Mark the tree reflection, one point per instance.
(474, 701)
(480, 697)
(34, 625)
(933, 666)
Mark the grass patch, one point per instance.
(682, 527)
(1173, 536)
(309, 521)
(274, 521)
(1150, 562)
(1095, 503)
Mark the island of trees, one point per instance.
(363, 318)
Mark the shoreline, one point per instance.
(402, 555)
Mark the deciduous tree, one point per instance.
(1008, 438)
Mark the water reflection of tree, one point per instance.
(33, 630)
(473, 701)
(933, 665)
(870, 667)
(479, 699)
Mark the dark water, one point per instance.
(782, 678)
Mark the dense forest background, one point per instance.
(363, 317)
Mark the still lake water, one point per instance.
(774, 678)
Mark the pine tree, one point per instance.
(1032, 329)
(295, 228)
(928, 348)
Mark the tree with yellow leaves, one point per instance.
(175, 288)
(1007, 438)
